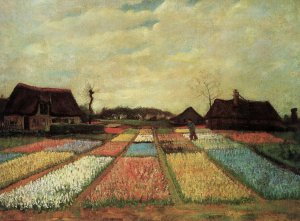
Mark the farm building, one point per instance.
(35, 108)
(241, 114)
(188, 113)
(3, 102)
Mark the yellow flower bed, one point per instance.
(145, 131)
(25, 166)
(124, 137)
(182, 130)
(201, 180)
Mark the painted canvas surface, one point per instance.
(149, 110)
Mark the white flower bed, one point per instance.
(58, 188)
(206, 136)
(209, 141)
(78, 146)
(141, 138)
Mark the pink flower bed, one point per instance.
(132, 178)
(39, 146)
(254, 137)
(110, 149)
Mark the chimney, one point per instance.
(236, 97)
(294, 116)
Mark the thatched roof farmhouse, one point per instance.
(188, 113)
(36, 108)
(241, 114)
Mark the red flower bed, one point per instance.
(132, 179)
(114, 130)
(178, 146)
(110, 149)
(39, 146)
(254, 137)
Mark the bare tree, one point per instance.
(89, 92)
(207, 87)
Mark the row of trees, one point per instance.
(206, 87)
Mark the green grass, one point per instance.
(288, 154)
(291, 136)
(158, 123)
(131, 131)
(164, 130)
(9, 142)
(102, 137)
(123, 203)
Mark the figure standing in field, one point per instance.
(192, 129)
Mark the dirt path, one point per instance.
(163, 164)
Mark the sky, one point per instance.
(150, 52)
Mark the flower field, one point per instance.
(142, 138)
(186, 130)
(8, 156)
(131, 179)
(78, 146)
(19, 168)
(110, 149)
(201, 181)
(177, 146)
(39, 146)
(145, 131)
(114, 130)
(213, 169)
(209, 141)
(58, 188)
(170, 137)
(11, 142)
(123, 137)
(267, 179)
(254, 138)
(141, 149)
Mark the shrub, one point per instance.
(76, 128)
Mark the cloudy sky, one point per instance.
(149, 52)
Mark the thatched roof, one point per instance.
(24, 100)
(188, 113)
(251, 110)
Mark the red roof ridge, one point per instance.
(45, 89)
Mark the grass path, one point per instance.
(163, 163)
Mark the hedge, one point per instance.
(76, 128)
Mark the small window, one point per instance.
(44, 109)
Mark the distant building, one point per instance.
(241, 114)
(3, 102)
(294, 115)
(35, 108)
(188, 113)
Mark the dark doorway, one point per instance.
(26, 123)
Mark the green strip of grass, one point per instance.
(9, 142)
(124, 203)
